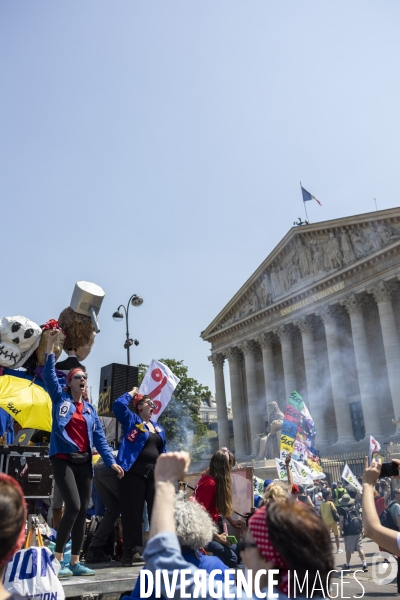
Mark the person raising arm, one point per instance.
(386, 538)
(76, 429)
(142, 442)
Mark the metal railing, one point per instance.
(333, 464)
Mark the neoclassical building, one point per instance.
(321, 315)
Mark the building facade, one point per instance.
(321, 315)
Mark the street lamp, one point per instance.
(118, 316)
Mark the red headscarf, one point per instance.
(259, 530)
(138, 398)
(21, 537)
(70, 376)
(72, 373)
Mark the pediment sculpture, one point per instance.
(311, 258)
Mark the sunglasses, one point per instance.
(243, 545)
(150, 403)
(80, 377)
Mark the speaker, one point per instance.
(115, 380)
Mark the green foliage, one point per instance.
(184, 429)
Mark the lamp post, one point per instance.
(118, 316)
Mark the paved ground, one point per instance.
(350, 588)
(111, 578)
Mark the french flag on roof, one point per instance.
(307, 196)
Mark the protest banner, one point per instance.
(349, 476)
(374, 447)
(159, 383)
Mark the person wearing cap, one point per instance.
(351, 528)
(283, 535)
(267, 482)
(142, 442)
(76, 429)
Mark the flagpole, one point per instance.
(304, 202)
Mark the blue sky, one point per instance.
(157, 147)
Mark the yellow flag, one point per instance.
(28, 403)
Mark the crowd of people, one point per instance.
(290, 530)
(287, 533)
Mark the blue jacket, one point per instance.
(6, 426)
(163, 552)
(207, 563)
(135, 432)
(63, 409)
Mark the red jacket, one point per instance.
(205, 493)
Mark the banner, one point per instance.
(298, 433)
(33, 573)
(349, 476)
(29, 404)
(297, 469)
(302, 472)
(314, 473)
(281, 468)
(374, 447)
(159, 383)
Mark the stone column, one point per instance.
(317, 408)
(382, 293)
(220, 398)
(256, 408)
(370, 406)
(340, 399)
(265, 341)
(285, 333)
(238, 406)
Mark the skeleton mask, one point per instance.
(19, 337)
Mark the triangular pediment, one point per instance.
(307, 254)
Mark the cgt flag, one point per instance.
(374, 447)
(349, 476)
(159, 383)
(307, 196)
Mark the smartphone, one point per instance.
(232, 539)
(389, 469)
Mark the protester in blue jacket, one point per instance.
(6, 427)
(142, 443)
(76, 429)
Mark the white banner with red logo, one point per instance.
(159, 383)
(374, 447)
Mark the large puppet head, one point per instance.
(79, 332)
(19, 337)
(58, 343)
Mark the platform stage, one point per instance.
(110, 582)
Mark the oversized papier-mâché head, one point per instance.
(19, 337)
(79, 332)
(58, 341)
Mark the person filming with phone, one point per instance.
(387, 537)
